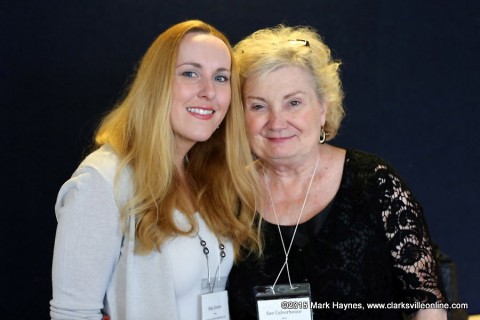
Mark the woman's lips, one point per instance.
(201, 113)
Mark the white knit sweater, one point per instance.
(95, 268)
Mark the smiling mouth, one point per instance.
(279, 139)
(200, 111)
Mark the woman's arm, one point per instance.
(409, 243)
(87, 246)
(430, 314)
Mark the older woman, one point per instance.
(341, 221)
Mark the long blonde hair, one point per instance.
(219, 170)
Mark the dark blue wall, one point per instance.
(410, 70)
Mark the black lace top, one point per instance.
(370, 245)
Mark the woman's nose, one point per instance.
(277, 120)
(207, 89)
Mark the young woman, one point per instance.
(151, 222)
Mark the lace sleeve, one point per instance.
(408, 240)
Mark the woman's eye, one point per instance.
(295, 103)
(257, 107)
(189, 74)
(221, 78)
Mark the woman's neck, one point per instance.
(288, 185)
(287, 171)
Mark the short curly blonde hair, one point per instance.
(268, 49)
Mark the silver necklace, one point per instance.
(206, 251)
(285, 264)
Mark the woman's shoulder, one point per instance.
(365, 162)
(102, 158)
(98, 173)
(104, 161)
(358, 157)
(365, 169)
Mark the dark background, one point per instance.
(410, 71)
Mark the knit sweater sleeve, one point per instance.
(87, 244)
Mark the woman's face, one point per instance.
(283, 114)
(201, 88)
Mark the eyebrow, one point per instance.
(256, 98)
(293, 94)
(285, 97)
(199, 66)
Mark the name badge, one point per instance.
(215, 306)
(284, 302)
(214, 285)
